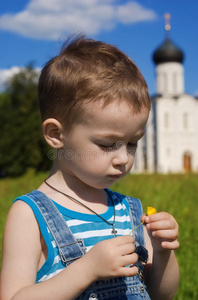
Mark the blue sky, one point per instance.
(33, 31)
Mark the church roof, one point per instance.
(168, 52)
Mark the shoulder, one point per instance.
(21, 233)
(21, 218)
(21, 221)
(24, 207)
(21, 229)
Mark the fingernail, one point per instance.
(147, 220)
(148, 226)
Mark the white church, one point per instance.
(170, 144)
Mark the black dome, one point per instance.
(168, 52)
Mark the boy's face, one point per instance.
(101, 149)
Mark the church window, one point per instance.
(175, 82)
(185, 121)
(166, 121)
(165, 80)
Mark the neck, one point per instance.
(72, 186)
(75, 188)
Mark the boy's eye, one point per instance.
(132, 148)
(106, 147)
(132, 145)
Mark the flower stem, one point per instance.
(136, 227)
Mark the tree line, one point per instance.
(22, 145)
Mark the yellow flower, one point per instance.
(151, 211)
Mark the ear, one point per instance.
(52, 131)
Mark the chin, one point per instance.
(103, 186)
(100, 185)
(109, 184)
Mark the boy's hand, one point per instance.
(109, 258)
(163, 231)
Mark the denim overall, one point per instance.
(121, 288)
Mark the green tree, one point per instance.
(21, 144)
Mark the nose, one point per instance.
(121, 156)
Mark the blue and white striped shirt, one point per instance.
(88, 227)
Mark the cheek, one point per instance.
(130, 162)
(95, 160)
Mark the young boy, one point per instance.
(94, 106)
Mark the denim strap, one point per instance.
(135, 213)
(69, 248)
(139, 232)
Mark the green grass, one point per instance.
(176, 194)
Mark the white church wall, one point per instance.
(138, 166)
(166, 125)
(187, 107)
(176, 133)
(144, 157)
(150, 143)
(176, 136)
(170, 78)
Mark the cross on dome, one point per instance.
(167, 17)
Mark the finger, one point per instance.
(130, 259)
(143, 218)
(158, 217)
(127, 248)
(162, 224)
(126, 239)
(166, 234)
(129, 271)
(171, 245)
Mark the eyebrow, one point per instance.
(108, 135)
(116, 136)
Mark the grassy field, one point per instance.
(176, 194)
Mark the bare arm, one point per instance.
(21, 255)
(161, 240)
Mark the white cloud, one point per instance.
(133, 12)
(50, 19)
(7, 74)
